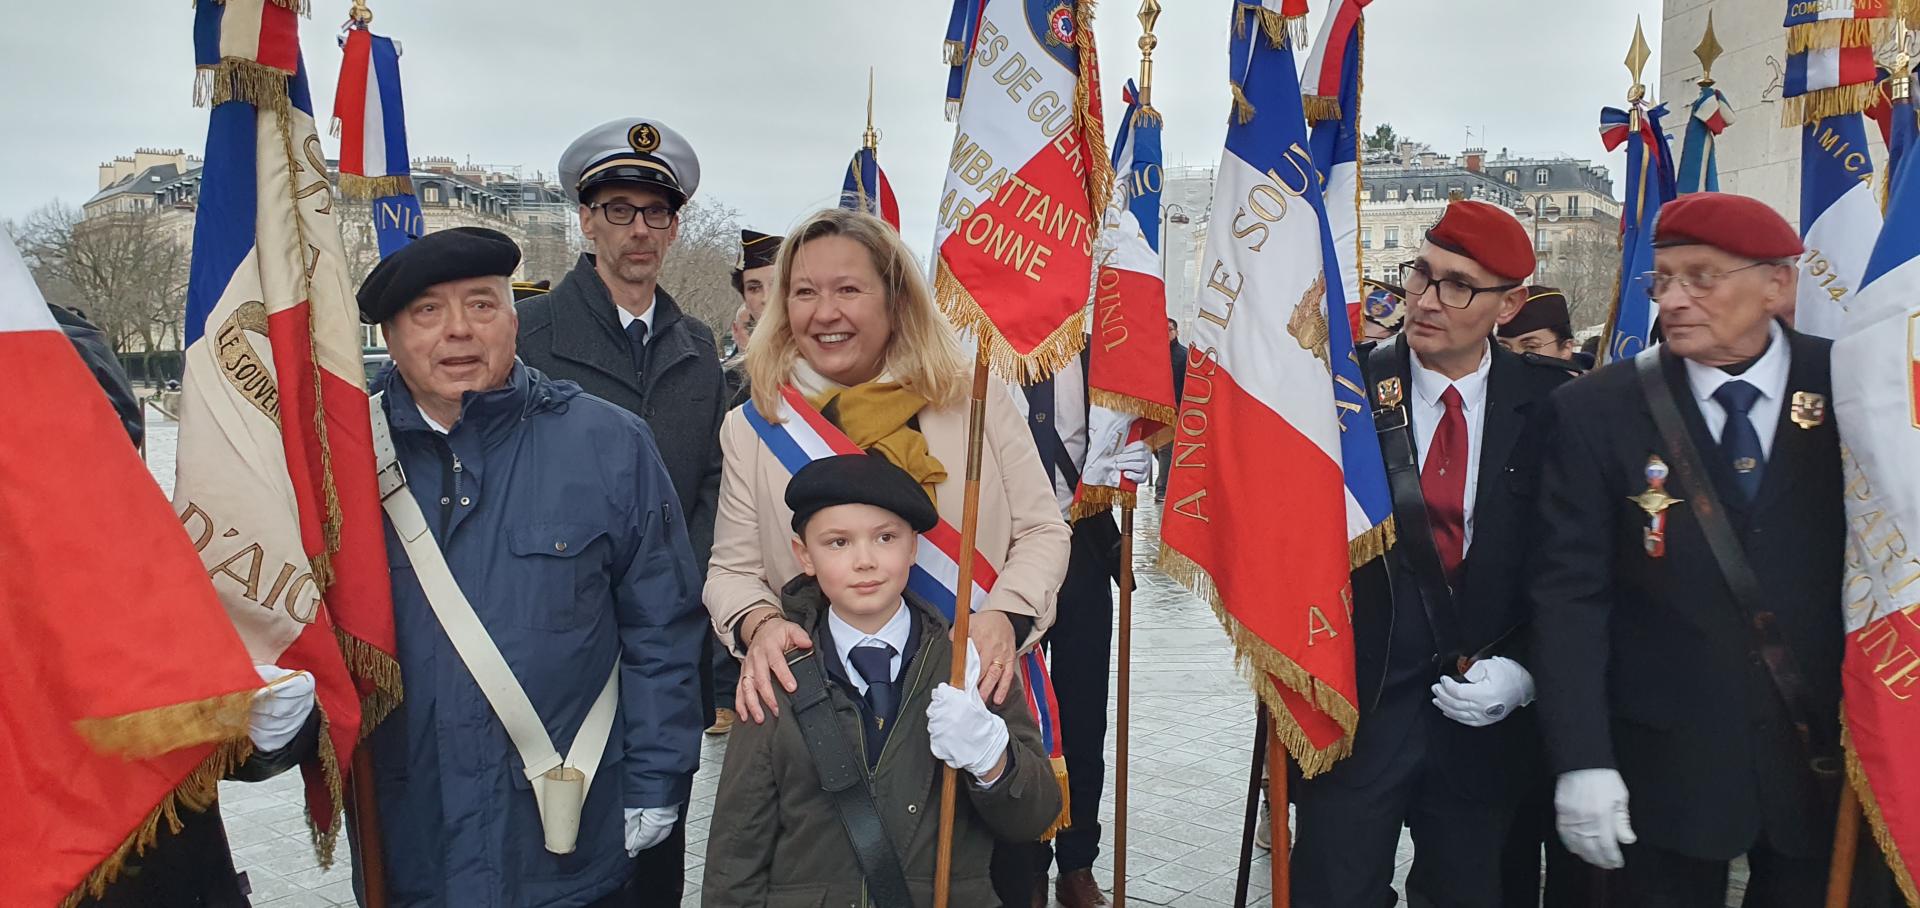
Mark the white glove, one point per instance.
(961, 731)
(1134, 461)
(279, 713)
(1590, 810)
(648, 826)
(1495, 687)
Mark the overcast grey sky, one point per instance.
(772, 94)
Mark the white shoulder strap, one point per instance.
(470, 638)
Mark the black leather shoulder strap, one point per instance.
(1393, 421)
(843, 776)
(1749, 598)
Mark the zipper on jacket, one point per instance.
(449, 484)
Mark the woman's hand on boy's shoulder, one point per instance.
(765, 663)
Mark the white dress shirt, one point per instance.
(1768, 374)
(1427, 409)
(894, 634)
(431, 424)
(1069, 420)
(628, 318)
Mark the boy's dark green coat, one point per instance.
(776, 838)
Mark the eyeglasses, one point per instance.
(621, 214)
(1697, 284)
(1453, 294)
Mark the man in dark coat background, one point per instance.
(610, 327)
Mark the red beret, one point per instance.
(1735, 224)
(1488, 234)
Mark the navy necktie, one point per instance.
(1739, 443)
(874, 662)
(637, 345)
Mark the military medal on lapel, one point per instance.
(1389, 392)
(1655, 501)
(1809, 409)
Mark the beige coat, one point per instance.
(1021, 533)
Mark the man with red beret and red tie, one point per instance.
(1687, 632)
(1446, 745)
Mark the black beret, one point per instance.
(859, 479)
(441, 256)
(1546, 307)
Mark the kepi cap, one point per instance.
(858, 479)
(757, 250)
(441, 256)
(637, 150)
(1546, 307)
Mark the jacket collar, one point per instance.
(491, 414)
(587, 328)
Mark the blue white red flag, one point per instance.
(1830, 68)
(1839, 219)
(1649, 185)
(276, 473)
(1709, 116)
(1129, 375)
(1876, 400)
(1027, 184)
(867, 189)
(371, 121)
(1330, 91)
(1267, 374)
(963, 30)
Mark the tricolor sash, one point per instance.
(804, 436)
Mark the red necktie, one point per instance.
(1443, 482)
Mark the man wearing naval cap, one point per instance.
(1687, 633)
(1446, 736)
(551, 512)
(611, 327)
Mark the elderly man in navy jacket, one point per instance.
(551, 511)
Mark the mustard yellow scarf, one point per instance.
(875, 416)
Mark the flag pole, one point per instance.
(1243, 877)
(1638, 54)
(1281, 835)
(962, 609)
(1846, 846)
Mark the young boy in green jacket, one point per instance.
(778, 837)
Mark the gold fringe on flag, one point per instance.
(1876, 818)
(163, 729)
(1100, 164)
(198, 792)
(1828, 34)
(1132, 406)
(1065, 819)
(1372, 543)
(955, 53)
(1048, 357)
(1262, 664)
(234, 79)
(1099, 500)
(1815, 106)
(359, 188)
(1147, 116)
(1277, 27)
(1243, 110)
(299, 7)
(1320, 107)
(326, 840)
(367, 663)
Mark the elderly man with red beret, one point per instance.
(1687, 632)
(1446, 742)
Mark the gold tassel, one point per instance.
(1828, 34)
(1372, 543)
(1261, 664)
(1242, 108)
(362, 188)
(1828, 102)
(1100, 170)
(1099, 500)
(1130, 405)
(1320, 107)
(1147, 116)
(1065, 819)
(955, 53)
(233, 79)
(366, 662)
(163, 729)
(199, 791)
(324, 841)
(953, 109)
(1046, 358)
(1876, 818)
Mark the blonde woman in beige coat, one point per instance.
(853, 327)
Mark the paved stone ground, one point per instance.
(1191, 745)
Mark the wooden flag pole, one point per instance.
(1244, 877)
(1125, 709)
(957, 674)
(1846, 846)
(1282, 836)
(365, 817)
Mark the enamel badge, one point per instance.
(1389, 392)
(1809, 409)
(1655, 501)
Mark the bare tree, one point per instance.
(1586, 267)
(699, 269)
(126, 270)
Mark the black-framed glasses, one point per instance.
(1696, 284)
(1453, 294)
(621, 214)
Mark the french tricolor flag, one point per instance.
(1839, 219)
(371, 120)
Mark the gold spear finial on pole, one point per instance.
(1637, 57)
(1708, 51)
(360, 14)
(870, 141)
(1149, 14)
